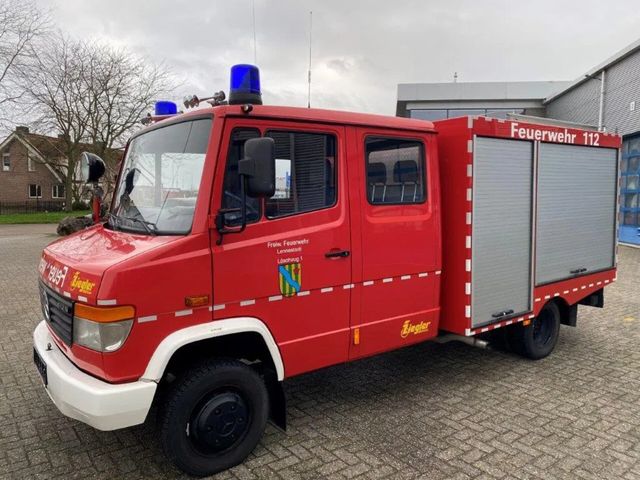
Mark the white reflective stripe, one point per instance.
(183, 313)
(575, 289)
(245, 303)
(484, 330)
(326, 290)
(107, 302)
(590, 285)
(606, 281)
(508, 322)
(148, 318)
(565, 292)
(556, 294)
(467, 264)
(215, 308)
(469, 194)
(531, 316)
(467, 332)
(469, 146)
(538, 299)
(66, 294)
(469, 170)
(387, 280)
(599, 283)
(300, 294)
(467, 311)
(348, 286)
(468, 218)
(367, 283)
(423, 274)
(547, 297)
(467, 288)
(405, 277)
(583, 287)
(83, 299)
(275, 298)
(467, 241)
(438, 272)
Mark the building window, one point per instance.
(57, 191)
(6, 162)
(395, 171)
(305, 173)
(30, 164)
(35, 191)
(431, 115)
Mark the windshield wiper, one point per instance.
(142, 222)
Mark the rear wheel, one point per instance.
(538, 339)
(213, 417)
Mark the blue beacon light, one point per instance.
(245, 85)
(164, 107)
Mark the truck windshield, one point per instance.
(160, 179)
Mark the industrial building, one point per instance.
(606, 98)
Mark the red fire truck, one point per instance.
(247, 244)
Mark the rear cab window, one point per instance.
(395, 170)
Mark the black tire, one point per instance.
(538, 339)
(213, 416)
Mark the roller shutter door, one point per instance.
(576, 211)
(501, 229)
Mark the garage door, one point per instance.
(576, 211)
(501, 232)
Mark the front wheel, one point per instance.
(538, 339)
(213, 417)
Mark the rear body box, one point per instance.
(529, 215)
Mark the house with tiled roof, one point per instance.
(32, 166)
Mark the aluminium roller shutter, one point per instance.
(576, 210)
(501, 229)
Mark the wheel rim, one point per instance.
(219, 422)
(543, 328)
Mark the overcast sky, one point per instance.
(361, 49)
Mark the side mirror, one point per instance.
(91, 167)
(259, 167)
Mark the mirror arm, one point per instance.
(222, 230)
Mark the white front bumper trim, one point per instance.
(102, 405)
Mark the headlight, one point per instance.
(102, 329)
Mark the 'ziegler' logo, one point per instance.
(410, 329)
(84, 286)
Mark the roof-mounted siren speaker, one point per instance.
(245, 85)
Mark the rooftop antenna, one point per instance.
(309, 79)
(255, 44)
(455, 77)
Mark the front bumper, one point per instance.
(102, 405)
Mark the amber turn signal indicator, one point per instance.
(196, 301)
(104, 314)
(356, 336)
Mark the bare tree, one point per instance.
(22, 24)
(89, 94)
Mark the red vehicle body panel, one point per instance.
(383, 296)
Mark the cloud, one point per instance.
(361, 49)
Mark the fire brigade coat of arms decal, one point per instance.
(290, 278)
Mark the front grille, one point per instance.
(58, 312)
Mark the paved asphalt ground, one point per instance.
(429, 411)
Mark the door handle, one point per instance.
(337, 254)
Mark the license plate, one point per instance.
(41, 366)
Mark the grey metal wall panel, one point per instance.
(622, 84)
(575, 210)
(501, 231)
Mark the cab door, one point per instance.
(291, 266)
(399, 239)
